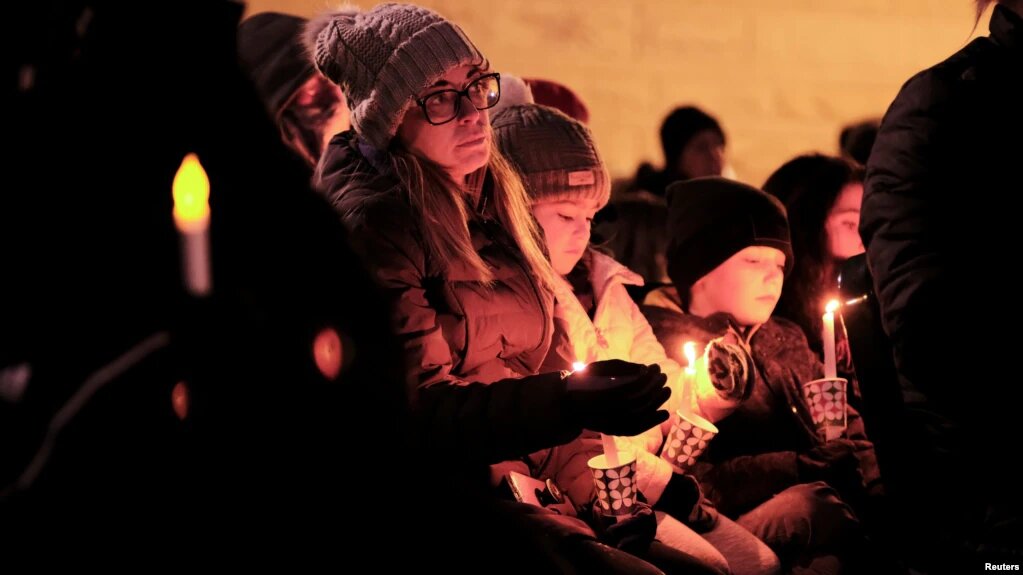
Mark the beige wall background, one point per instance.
(783, 76)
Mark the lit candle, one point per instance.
(191, 192)
(607, 441)
(829, 339)
(689, 376)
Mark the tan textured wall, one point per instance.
(782, 75)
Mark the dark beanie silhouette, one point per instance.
(270, 49)
(711, 219)
(682, 125)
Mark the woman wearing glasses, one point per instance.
(444, 224)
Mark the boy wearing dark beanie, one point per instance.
(728, 253)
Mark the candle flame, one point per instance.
(578, 366)
(832, 306)
(689, 350)
(191, 191)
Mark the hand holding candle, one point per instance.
(690, 432)
(616, 397)
(191, 192)
(826, 396)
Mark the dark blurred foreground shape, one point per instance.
(940, 248)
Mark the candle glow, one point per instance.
(689, 350)
(830, 368)
(191, 193)
(687, 379)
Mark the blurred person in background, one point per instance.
(306, 107)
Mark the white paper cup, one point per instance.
(615, 485)
(826, 398)
(687, 439)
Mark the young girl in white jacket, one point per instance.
(568, 183)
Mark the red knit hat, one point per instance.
(555, 95)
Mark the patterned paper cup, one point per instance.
(826, 399)
(688, 438)
(616, 485)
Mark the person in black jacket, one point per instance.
(940, 246)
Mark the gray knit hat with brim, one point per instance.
(382, 59)
(555, 154)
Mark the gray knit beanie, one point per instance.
(554, 153)
(382, 59)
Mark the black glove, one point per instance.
(683, 499)
(631, 533)
(617, 397)
(834, 463)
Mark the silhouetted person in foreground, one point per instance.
(940, 246)
(157, 425)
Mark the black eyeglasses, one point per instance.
(443, 106)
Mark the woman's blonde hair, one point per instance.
(444, 209)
